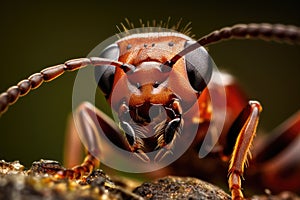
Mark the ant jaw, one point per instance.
(159, 134)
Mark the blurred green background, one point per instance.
(35, 35)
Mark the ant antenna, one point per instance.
(277, 32)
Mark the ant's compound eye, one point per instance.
(199, 66)
(105, 74)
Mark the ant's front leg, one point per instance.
(91, 125)
(239, 141)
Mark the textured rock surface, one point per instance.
(16, 183)
(180, 188)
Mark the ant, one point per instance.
(163, 88)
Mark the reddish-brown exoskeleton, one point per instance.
(157, 83)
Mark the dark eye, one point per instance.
(105, 74)
(199, 67)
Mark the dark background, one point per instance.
(37, 35)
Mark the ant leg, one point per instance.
(92, 124)
(90, 162)
(239, 141)
(277, 157)
(73, 150)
